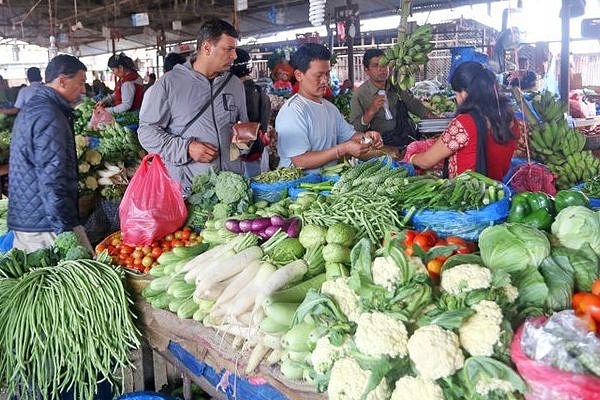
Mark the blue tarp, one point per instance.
(243, 389)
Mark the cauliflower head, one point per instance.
(485, 387)
(344, 296)
(386, 273)
(435, 352)
(91, 183)
(510, 292)
(325, 354)
(417, 388)
(83, 167)
(348, 382)
(379, 334)
(479, 333)
(464, 278)
(93, 157)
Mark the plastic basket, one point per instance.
(273, 192)
(594, 201)
(146, 396)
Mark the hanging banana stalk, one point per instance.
(410, 51)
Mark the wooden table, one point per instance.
(163, 328)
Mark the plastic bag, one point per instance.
(468, 224)
(101, 118)
(273, 192)
(152, 205)
(546, 382)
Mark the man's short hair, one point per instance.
(308, 52)
(212, 30)
(63, 64)
(369, 54)
(34, 74)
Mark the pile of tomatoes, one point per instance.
(142, 258)
(587, 306)
(427, 240)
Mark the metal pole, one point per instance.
(564, 52)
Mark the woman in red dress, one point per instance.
(129, 90)
(484, 134)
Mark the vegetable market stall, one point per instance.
(209, 359)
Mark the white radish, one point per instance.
(229, 267)
(256, 356)
(196, 274)
(238, 282)
(279, 279)
(206, 257)
(274, 357)
(243, 301)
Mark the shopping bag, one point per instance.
(152, 205)
(101, 119)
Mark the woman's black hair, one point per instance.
(63, 64)
(309, 52)
(483, 102)
(121, 60)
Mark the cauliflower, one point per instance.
(83, 168)
(378, 334)
(91, 183)
(81, 143)
(435, 352)
(510, 292)
(417, 265)
(93, 157)
(348, 382)
(464, 278)
(344, 296)
(417, 388)
(480, 333)
(386, 273)
(485, 386)
(325, 354)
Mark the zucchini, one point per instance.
(187, 309)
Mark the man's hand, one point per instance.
(202, 152)
(375, 138)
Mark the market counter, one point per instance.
(207, 358)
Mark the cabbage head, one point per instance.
(512, 247)
(575, 226)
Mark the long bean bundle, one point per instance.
(62, 328)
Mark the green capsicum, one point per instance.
(566, 198)
(532, 208)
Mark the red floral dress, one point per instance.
(461, 137)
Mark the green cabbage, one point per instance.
(513, 247)
(533, 290)
(287, 251)
(575, 226)
(558, 275)
(585, 264)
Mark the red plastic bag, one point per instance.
(532, 177)
(101, 118)
(549, 383)
(152, 205)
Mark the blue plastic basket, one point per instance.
(594, 201)
(146, 396)
(273, 192)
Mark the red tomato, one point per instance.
(590, 305)
(434, 267)
(460, 242)
(409, 236)
(100, 248)
(423, 241)
(462, 250)
(409, 251)
(147, 261)
(576, 301)
(177, 243)
(156, 252)
(185, 235)
(126, 249)
(178, 235)
(431, 235)
(596, 287)
(168, 237)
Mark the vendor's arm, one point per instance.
(9, 111)
(362, 113)
(155, 116)
(127, 97)
(416, 106)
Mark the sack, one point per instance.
(101, 119)
(152, 205)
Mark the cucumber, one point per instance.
(190, 251)
(268, 325)
(187, 309)
(168, 257)
(281, 313)
(161, 301)
(160, 284)
(296, 293)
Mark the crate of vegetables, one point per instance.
(273, 186)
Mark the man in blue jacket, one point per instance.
(43, 163)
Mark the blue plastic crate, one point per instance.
(146, 396)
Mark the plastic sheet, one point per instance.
(544, 381)
(273, 192)
(468, 224)
(594, 201)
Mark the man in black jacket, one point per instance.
(43, 162)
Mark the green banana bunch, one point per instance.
(576, 168)
(548, 107)
(406, 57)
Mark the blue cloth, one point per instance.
(6, 241)
(42, 178)
(303, 125)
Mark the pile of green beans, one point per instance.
(279, 174)
(591, 187)
(64, 327)
(372, 216)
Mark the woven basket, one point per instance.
(135, 283)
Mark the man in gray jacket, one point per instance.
(190, 142)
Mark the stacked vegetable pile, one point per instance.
(64, 324)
